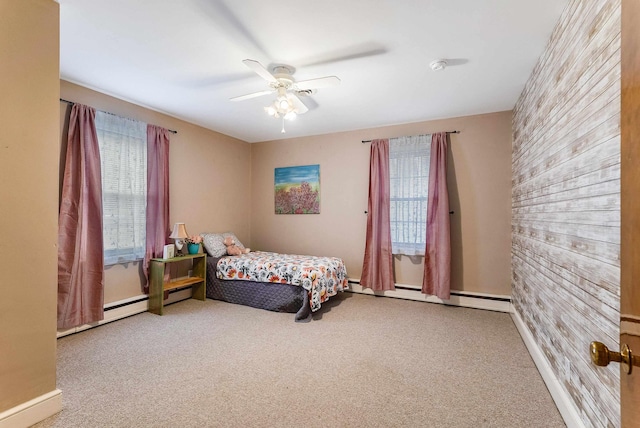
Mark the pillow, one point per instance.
(214, 243)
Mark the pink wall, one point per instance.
(479, 188)
(219, 183)
(209, 179)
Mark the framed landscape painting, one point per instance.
(297, 190)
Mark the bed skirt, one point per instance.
(262, 295)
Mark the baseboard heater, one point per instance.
(125, 308)
(122, 303)
(466, 299)
(138, 304)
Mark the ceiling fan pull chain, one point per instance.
(283, 131)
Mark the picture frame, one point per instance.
(169, 251)
(297, 189)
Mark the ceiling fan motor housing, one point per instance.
(283, 75)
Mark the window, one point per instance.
(409, 159)
(123, 159)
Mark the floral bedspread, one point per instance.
(323, 277)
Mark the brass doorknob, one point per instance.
(602, 356)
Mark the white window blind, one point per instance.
(123, 158)
(409, 159)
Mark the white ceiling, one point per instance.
(184, 58)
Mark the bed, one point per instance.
(272, 281)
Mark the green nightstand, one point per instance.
(159, 288)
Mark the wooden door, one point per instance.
(630, 209)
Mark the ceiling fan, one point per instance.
(287, 104)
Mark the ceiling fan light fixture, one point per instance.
(287, 104)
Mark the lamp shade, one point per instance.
(179, 231)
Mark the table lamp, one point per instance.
(179, 234)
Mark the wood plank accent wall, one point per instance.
(630, 206)
(566, 204)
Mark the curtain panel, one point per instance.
(80, 245)
(158, 226)
(377, 268)
(437, 262)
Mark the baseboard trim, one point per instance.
(33, 411)
(562, 399)
(464, 299)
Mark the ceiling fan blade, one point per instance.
(358, 51)
(260, 70)
(298, 104)
(321, 82)
(348, 57)
(223, 17)
(308, 101)
(252, 95)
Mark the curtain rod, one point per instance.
(448, 132)
(112, 114)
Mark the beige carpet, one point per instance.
(363, 361)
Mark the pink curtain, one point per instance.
(80, 249)
(158, 227)
(377, 268)
(437, 260)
